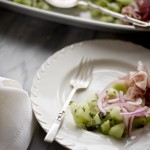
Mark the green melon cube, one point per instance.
(117, 130)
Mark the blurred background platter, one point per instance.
(72, 16)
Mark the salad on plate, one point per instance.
(120, 108)
(138, 9)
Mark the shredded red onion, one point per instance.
(130, 125)
(139, 110)
(121, 97)
(137, 102)
(120, 104)
(125, 118)
(113, 100)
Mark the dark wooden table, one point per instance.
(26, 42)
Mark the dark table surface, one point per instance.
(33, 40)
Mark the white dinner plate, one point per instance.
(50, 89)
(72, 16)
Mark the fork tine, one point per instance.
(88, 70)
(83, 72)
(80, 68)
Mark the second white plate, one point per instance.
(51, 87)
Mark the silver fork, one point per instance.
(81, 80)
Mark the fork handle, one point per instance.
(57, 123)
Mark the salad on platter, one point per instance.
(138, 9)
(120, 108)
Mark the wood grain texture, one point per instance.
(26, 42)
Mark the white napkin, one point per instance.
(16, 117)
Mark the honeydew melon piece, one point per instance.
(139, 122)
(112, 93)
(105, 127)
(121, 86)
(116, 115)
(117, 130)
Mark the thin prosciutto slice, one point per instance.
(140, 9)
